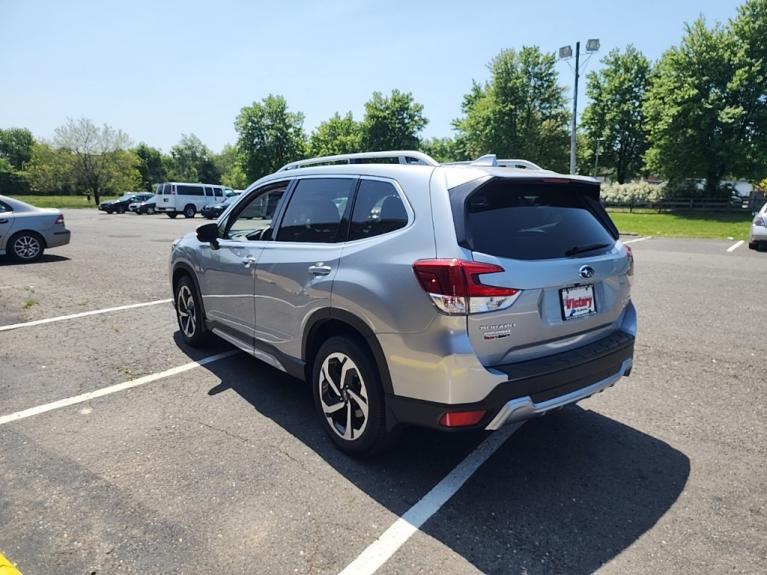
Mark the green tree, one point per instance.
(16, 146)
(338, 135)
(392, 123)
(229, 165)
(750, 32)
(443, 149)
(520, 113)
(614, 119)
(150, 166)
(192, 161)
(269, 136)
(100, 162)
(50, 170)
(705, 106)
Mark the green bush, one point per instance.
(13, 183)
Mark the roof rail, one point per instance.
(491, 161)
(402, 156)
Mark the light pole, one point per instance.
(596, 159)
(565, 53)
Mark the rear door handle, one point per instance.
(3, 221)
(320, 269)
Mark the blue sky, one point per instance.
(157, 69)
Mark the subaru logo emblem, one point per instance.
(586, 272)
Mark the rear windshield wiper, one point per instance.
(582, 249)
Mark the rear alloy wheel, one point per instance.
(348, 397)
(120, 209)
(189, 313)
(26, 247)
(190, 211)
(150, 210)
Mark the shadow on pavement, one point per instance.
(567, 493)
(45, 259)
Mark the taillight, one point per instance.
(455, 287)
(59, 220)
(630, 254)
(760, 221)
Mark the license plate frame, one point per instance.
(578, 308)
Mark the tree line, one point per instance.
(700, 111)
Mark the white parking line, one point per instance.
(82, 314)
(637, 240)
(372, 558)
(735, 246)
(112, 388)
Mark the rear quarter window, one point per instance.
(534, 220)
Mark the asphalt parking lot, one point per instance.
(223, 469)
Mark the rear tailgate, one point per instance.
(558, 246)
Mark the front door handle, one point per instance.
(320, 269)
(249, 261)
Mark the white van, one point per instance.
(175, 198)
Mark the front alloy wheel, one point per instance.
(189, 313)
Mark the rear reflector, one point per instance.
(455, 287)
(461, 418)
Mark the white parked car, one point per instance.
(759, 230)
(175, 198)
(26, 231)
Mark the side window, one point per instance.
(378, 210)
(315, 210)
(208, 191)
(190, 190)
(253, 221)
(218, 192)
(5, 208)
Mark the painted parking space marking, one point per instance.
(83, 397)
(81, 314)
(6, 567)
(735, 246)
(372, 558)
(637, 240)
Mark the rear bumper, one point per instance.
(57, 238)
(758, 233)
(533, 387)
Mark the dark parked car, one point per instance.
(212, 211)
(120, 205)
(145, 207)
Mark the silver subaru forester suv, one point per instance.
(453, 296)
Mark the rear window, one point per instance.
(533, 220)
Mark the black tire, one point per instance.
(189, 211)
(25, 246)
(753, 245)
(189, 314)
(172, 215)
(361, 380)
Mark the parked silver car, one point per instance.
(758, 238)
(26, 231)
(448, 296)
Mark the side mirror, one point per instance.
(208, 233)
